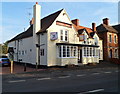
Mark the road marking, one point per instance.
(92, 91)
(95, 73)
(44, 79)
(16, 81)
(64, 77)
(107, 72)
(80, 75)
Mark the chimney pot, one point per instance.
(36, 2)
(76, 22)
(94, 26)
(32, 21)
(106, 21)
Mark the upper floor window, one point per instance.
(110, 38)
(64, 35)
(61, 35)
(115, 39)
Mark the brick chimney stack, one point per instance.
(94, 26)
(32, 21)
(76, 22)
(106, 21)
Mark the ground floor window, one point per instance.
(42, 52)
(67, 51)
(116, 53)
(90, 51)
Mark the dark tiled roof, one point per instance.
(106, 28)
(117, 27)
(80, 31)
(27, 33)
(46, 22)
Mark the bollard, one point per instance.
(11, 70)
(25, 67)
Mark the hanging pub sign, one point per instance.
(81, 37)
(53, 35)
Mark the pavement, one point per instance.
(17, 68)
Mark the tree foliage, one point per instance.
(4, 48)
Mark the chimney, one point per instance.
(106, 21)
(94, 26)
(36, 28)
(76, 22)
(36, 17)
(32, 21)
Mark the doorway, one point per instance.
(79, 55)
(110, 53)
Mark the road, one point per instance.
(99, 80)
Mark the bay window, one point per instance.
(67, 51)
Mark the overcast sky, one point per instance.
(15, 15)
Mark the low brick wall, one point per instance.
(115, 60)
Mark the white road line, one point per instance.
(107, 72)
(16, 81)
(97, 90)
(43, 78)
(95, 73)
(64, 77)
(80, 75)
(92, 91)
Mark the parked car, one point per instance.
(5, 61)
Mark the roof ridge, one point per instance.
(52, 14)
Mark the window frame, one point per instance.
(115, 39)
(67, 51)
(110, 38)
(64, 35)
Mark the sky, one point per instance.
(15, 15)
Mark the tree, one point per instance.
(4, 48)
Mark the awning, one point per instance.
(81, 45)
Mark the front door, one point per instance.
(79, 55)
(111, 53)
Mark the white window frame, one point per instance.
(115, 53)
(110, 38)
(115, 39)
(71, 53)
(64, 34)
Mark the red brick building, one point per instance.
(110, 40)
(117, 27)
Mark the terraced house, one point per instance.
(117, 27)
(110, 40)
(55, 40)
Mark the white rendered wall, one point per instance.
(52, 48)
(25, 45)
